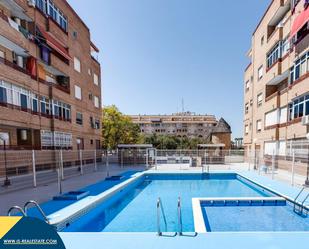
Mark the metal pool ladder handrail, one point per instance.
(160, 210)
(179, 216)
(295, 200)
(17, 208)
(38, 207)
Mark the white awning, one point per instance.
(134, 146)
(278, 79)
(210, 145)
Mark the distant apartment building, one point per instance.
(276, 82)
(50, 90)
(186, 125)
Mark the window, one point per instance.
(41, 4)
(56, 139)
(260, 72)
(97, 124)
(61, 110)
(271, 118)
(1, 54)
(274, 55)
(79, 118)
(300, 68)
(3, 98)
(270, 148)
(283, 114)
(63, 22)
(247, 108)
(45, 106)
(247, 84)
(96, 102)
(54, 12)
(285, 46)
(78, 92)
(258, 125)
(35, 104)
(77, 64)
(89, 71)
(299, 107)
(95, 79)
(262, 41)
(23, 101)
(259, 99)
(246, 129)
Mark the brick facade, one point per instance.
(42, 31)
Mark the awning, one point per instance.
(299, 22)
(55, 44)
(278, 79)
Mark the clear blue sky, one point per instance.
(153, 53)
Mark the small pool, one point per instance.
(253, 217)
(133, 209)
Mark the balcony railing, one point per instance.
(14, 66)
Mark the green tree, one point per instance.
(118, 128)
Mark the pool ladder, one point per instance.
(299, 207)
(160, 211)
(24, 210)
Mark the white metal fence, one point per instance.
(32, 168)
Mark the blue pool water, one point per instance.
(134, 209)
(253, 218)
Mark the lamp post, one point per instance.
(78, 141)
(4, 137)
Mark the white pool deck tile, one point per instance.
(279, 240)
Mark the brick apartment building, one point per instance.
(186, 125)
(276, 84)
(50, 90)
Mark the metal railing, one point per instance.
(16, 208)
(38, 207)
(160, 210)
(179, 215)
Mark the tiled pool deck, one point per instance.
(298, 240)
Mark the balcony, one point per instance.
(282, 8)
(17, 33)
(51, 76)
(302, 42)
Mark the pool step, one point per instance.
(243, 202)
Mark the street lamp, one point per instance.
(5, 137)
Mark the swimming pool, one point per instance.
(133, 209)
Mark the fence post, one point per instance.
(155, 155)
(33, 169)
(95, 160)
(59, 181)
(273, 165)
(81, 162)
(147, 162)
(61, 165)
(293, 166)
(121, 158)
(107, 164)
(249, 159)
(258, 162)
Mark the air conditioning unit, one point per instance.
(31, 3)
(305, 120)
